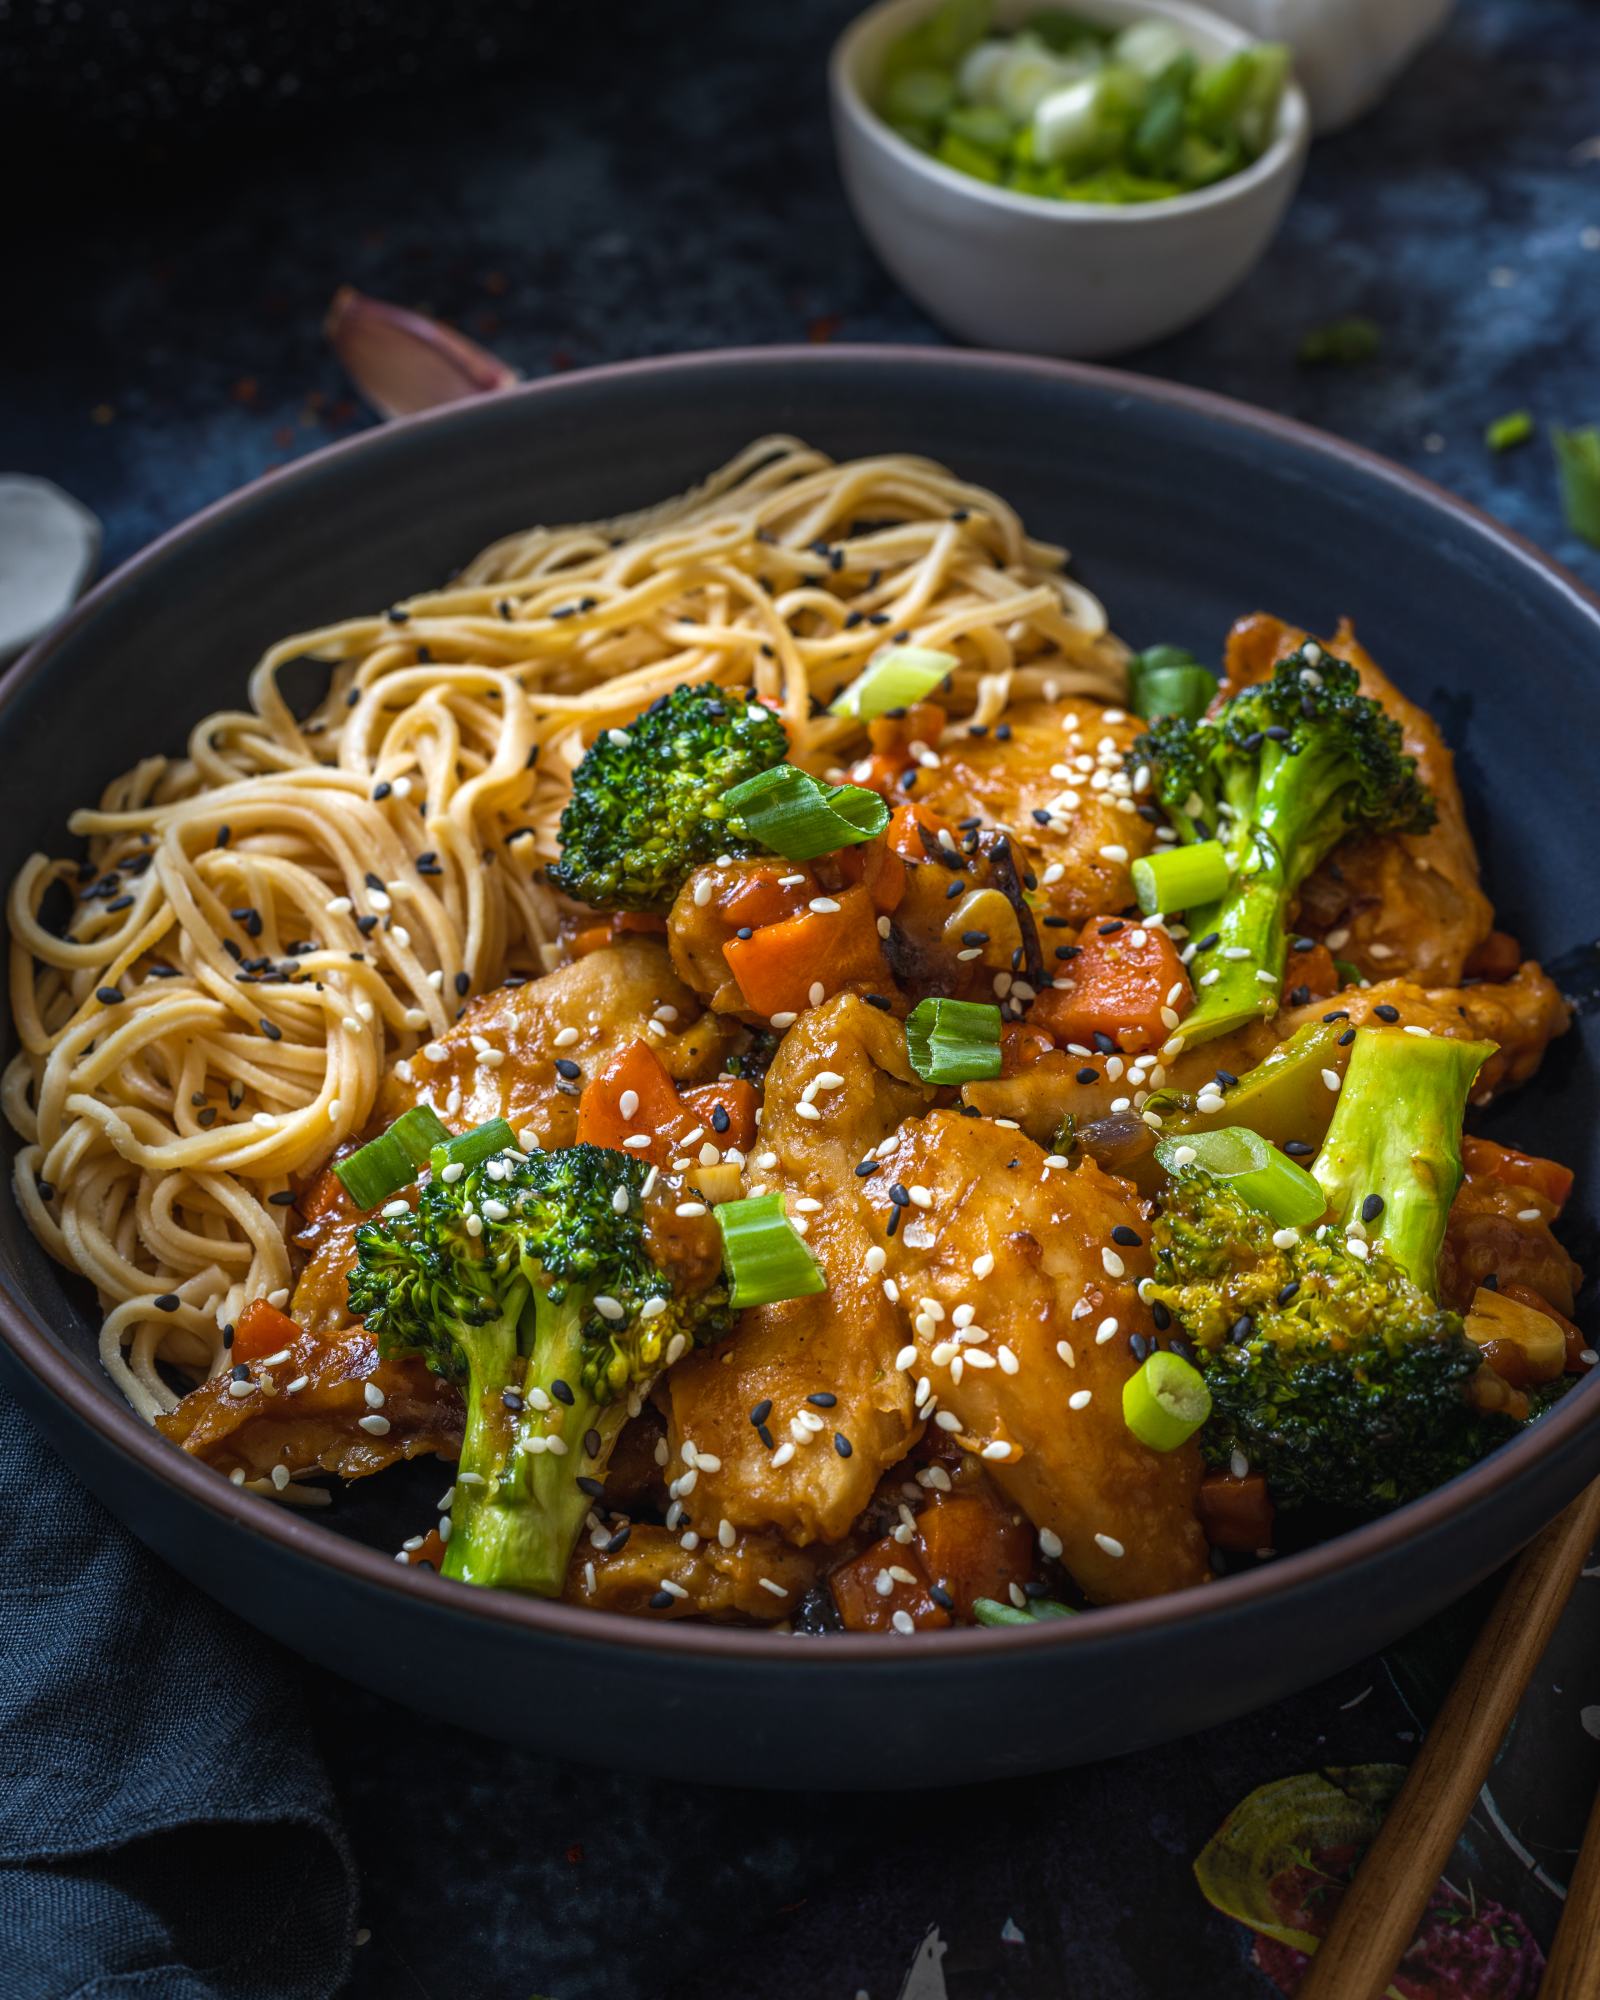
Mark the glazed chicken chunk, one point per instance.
(767, 1457)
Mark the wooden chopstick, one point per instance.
(1378, 1917)
(1575, 1955)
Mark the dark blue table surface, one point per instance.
(664, 182)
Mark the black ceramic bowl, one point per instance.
(1184, 510)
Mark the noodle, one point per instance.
(265, 925)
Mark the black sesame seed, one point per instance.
(941, 1597)
(109, 996)
(284, 1198)
(562, 1391)
(1299, 995)
(1160, 1315)
(463, 984)
(1491, 1280)
(1297, 1149)
(898, 1194)
(954, 889)
(866, 1168)
(1288, 1291)
(762, 1411)
(1129, 1238)
(120, 903)
(744, 931)
(824, 1399)
(45, 1190)
(587, 1483)
(366, 926)
(661, 1600)
(765, 1435)
(1347, 1038)
(591, 1444)
(566, 1067)
(878, 1000)
(1385, 1012)
(1138, 1346)
(893, 1224)
(1243, 1329)
(1338, 1014)
(1103, 1042)
(240, 1372)
(841, 1444)
(1087, 1075)
(270, 1029)
(620, 1539)
(1210, 938)
(167, 1302)
(720, 1121)
(1224, 1079)
(227, 1337)
(974, 937)
(1372, 1208)
(396, 616)
(1111, 929)
(380, 792)
(1303, 944)
(512, 1398)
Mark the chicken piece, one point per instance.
(760, 1579)
(841, 1342)
(1020, 1261)
(1408, 903)
(610, 997)
(1522, 1015)
(1063, 761)
(317, 1427)
(1504, 1231)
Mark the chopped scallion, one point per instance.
(895, 679)
(1167, 680)
(1257, 1172)
(790, 813)
(1181, 878)
(391, 1161)
(954, 1041)
(471, 1149)
(1165, 1402)
(990, 1611)
(1512, 429)
(765, 1257)
(1578, 457)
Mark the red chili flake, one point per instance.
(823, 328)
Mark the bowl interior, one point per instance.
(862, 49)
(1182, 510)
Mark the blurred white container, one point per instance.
(1346, 52)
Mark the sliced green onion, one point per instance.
(954, 1041)
(990, 1611)
(391, 1161)
(1578, 457)
(895, 679)
(1351, 974)
(1165, 1402)
(765, 1257)
(1257, 1172)
(789, 812)
(1181, 878)
(471, 1149)
(1167, 680)
(1515, 428)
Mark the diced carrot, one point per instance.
(1312, 970)
(881, 873)
(974, 1548)
(326, 1194)
(1235, 1513)
(1120, 985)
(645, 922)
(262, 1330)
(1496, 957)
(1021, 1046)
(601, 1122)
(922, 722)
(758, 896)
(1524, 1170)
(1577, 1342)
(593, 937)
(738, 1099)
(907, 824)
(855, 1591)
(780, 966)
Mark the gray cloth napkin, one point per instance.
(166, 1827)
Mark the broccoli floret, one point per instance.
(1280, 774)
(1332, 1367)
(647, 801)
(530, 1280)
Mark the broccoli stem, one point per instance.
(1247, 924)
(518, 1529)
(1395, 1137)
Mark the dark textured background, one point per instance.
(186, 187)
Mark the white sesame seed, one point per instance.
(673, 1589)
(1002, 1354)
(1114, 1266)
(1114, 852)
(239, 1390)
(809, 1112)
(784, 1020)
(636, 1141)
(824, 906)
(876, 1258)
(783, 1454)
(725, 1532)
(907, 1357)
(920, 1196)
(1111, 1545)
(1331, 1078)
(293, 1388)
(376, 1425)
(374, 1396)
(702, 892)
(690, 1208)
(816, 993)
(1411, 1028)
(1080, 1399)
(565, 1037)
(902, 1623)
(947, 1420)
(1527, 1215)
(982, 1264)
(997, 1451)
(607, 1307)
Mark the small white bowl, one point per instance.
(1053, 277)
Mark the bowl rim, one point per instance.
(1281, 158)
(300, 1536)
